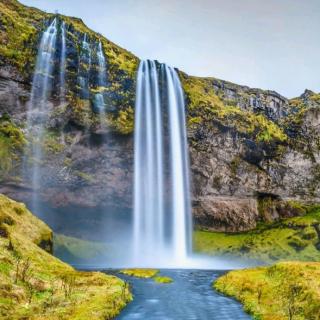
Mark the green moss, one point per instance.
(34, 284)
(123, 123)
(290, 239)
(205, 105)
(52, 143)
(284, 291)
(162, 279)
(316, 98)
(18, 33)
(140, 273)
(12, 142)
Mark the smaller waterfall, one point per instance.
(102, 75)
(99, 102)
(38, 110)
(63, 63)
(42, 80)
(162, 215)
(85, 61)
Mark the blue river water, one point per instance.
(189, 297)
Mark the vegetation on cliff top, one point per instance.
(291, 239)
(34, 284)
(206, 106)
(287, 290)
(19, 36)
(20, 32)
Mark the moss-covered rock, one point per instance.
(289, 239)
(163, 279)
(34, 284)
(140, 273)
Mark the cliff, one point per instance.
(36, 285)
(252, 151)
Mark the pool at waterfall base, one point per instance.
(189, 297)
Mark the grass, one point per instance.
(290, 239)
(287, 290)
(147, 274)
(34, 284)
(140, 273)
(164, 280)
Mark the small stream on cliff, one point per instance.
(189, 297)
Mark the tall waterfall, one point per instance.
(162, 215)
(38, 111)
(63, 61)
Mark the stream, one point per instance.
(189, 297)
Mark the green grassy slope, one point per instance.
(288, 290)
(36, 285)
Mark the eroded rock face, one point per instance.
(88, 165)
(95, 169)
(227, 214)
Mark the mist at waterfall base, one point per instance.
(158, 231)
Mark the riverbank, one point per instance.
(288, 290)
(189, 296)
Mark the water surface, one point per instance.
(189, 297)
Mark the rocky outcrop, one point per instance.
(245, 144)
(226, 214)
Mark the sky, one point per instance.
(272, 44)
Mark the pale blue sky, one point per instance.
(272, 44)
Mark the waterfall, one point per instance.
(38, 110)
(102, 66)
(63, 63)
(162, 215)
(102, 83)
(84, 68)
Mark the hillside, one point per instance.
(36, 285)
(288, 290)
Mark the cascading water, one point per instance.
(162, 216)
(38, 111)
(102, 83)
(63, 63)
(84, 68)
(102, 66)
(179, 165)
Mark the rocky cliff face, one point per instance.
(254, 153)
